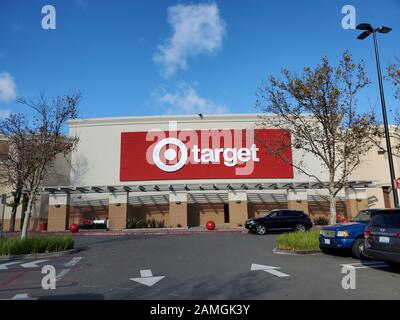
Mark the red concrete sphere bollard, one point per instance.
(210, 225)
(74, 228)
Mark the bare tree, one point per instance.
(16, 164)
(43, 140)
(318, 112)
(393, 74)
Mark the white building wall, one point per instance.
(97, 159)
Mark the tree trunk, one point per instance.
(332, 207)
(16, 203)
(27, 216)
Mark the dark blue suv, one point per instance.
(346, 236)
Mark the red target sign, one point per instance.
(203, 154)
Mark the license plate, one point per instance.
(327, 241)
(384, 239)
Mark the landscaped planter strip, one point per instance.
(298, 252)
(13, 246)
(39, 255)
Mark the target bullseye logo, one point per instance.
(170, 154)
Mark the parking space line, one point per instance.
(277, 273)
(61, 274)
(73, 261)
(365, 265)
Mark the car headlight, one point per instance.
(342, 234)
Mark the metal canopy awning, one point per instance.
(199, 187)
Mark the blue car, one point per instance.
(346, 236)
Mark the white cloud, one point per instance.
(185, 100)
(196, 29)
(7, 87)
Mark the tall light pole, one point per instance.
(368, 29)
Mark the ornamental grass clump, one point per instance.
(31, 245)
(308, 240)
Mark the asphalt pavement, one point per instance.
(195, 266)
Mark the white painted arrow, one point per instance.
(4, 266)
(269, 269)
(146, 278)
(33, 264)
(255, 266)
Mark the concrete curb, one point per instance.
(135, 232)
(39, 255)
(295, 252)
(155, 232)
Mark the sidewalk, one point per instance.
(127, 232)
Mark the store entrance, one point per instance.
(226, 213)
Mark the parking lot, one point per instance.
(195, 266)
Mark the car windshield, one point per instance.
(388, 220)
(363, 216)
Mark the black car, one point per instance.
(382, 236)
(279, 220)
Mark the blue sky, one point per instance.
(146, 58)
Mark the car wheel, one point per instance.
(358, 248)
(300, 227)
(261, 229)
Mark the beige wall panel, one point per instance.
(354, 206)
(375, 198)
(117, 216)
(58, 218)
(298, 205)
(238, 213)
(178, 214)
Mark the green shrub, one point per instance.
(298, 241)
(161, 224)
(141, 223)
(151, 223)
(15, 246)
(133, 223)
(321, 221)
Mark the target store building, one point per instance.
(182, 171)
